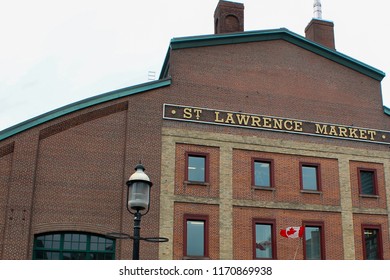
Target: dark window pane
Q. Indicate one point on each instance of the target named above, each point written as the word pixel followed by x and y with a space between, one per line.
pixel 195 238
pixel 263 241
pixel 55 255
pixel 262 174
pixel 39 243
pixel 94 246
pixel 56 244
pixel 313 243
pixel 371 243
pixel 309 178
pixel 75 237
pixel 196 168
pixel 40 255
pixel 367 182
pixel 75 246
pixel 68 237
pixel 83 246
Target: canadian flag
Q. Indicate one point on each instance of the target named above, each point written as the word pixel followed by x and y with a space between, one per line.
pixel 292 232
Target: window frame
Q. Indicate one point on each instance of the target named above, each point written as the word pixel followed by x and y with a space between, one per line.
pixel 375 181
pixel 206 167
pixel 259 221
pixel 317 166
pixel 380 240
pixel 271 173
pixel 321 226
pixel 205 220
pixel 61 249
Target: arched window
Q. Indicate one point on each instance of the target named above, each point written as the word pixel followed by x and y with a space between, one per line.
pixel 73 246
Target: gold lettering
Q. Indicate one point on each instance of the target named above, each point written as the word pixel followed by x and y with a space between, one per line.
pixel 187 113
pixel 372 134
pixel 321 129
pixel 217 119
pixel 256 121
pixel 290 123
pixel 333 131
pixel 343 131
pixel 363 134
pixel 298 126
pixel 278 123
pixel 229 118
pixel 352 132
pixel 242 119
pixel 197 113
pixel 267 122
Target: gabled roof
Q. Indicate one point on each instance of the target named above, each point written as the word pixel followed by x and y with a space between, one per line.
pixel 268 35
pixel 116 94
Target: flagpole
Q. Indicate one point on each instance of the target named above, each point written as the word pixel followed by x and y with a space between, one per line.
pixel 296 251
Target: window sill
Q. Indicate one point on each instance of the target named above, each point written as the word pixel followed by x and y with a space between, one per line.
pixel 311 191
pixel 194 183
pixel 369 196
pixel 263 188
pixel 195 258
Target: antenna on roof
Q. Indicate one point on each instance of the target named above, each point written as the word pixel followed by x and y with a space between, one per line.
pixel 317 9
pixel 151 75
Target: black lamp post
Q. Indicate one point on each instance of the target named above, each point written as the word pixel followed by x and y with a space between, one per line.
pixel 138 202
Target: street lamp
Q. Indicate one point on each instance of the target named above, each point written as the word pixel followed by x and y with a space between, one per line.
pixel 138 202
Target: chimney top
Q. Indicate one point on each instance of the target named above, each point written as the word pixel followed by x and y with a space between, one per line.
pixel 319 30
pixel 228 17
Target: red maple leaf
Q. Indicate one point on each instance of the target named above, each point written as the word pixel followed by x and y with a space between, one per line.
pixel 291 231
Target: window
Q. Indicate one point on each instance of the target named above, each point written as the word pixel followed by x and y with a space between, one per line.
pixel 310 177
pixel 372 242
pixel 264 238
pixel 367 181
pixel 262 173
pixel 73 246
pixel 197 167
pixel 195 236
pixel 314 242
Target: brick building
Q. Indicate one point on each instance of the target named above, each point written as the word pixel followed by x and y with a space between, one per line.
pixel 244 134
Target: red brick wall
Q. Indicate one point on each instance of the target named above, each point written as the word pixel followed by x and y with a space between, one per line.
pixel 70 173
pixel 275 78
pixel 210 189
pixel 243 239
pixel 378 201
pixel 182 209
pixel 286 178
pixel 364 219
pixel 5 174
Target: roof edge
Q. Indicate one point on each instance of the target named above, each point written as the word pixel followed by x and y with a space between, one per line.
pixel 82 104
pixel 277 34
pixel 386 110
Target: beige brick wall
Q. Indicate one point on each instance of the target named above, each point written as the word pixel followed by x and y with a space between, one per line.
pixel 339 208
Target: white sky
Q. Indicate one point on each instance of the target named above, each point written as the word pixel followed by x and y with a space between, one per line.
pixel 56 52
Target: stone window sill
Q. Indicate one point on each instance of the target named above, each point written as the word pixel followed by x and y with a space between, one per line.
pixel 193 183
pixel 311 191
pixel 263 188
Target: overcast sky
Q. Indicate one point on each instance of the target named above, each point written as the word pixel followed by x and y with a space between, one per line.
pixel 56 52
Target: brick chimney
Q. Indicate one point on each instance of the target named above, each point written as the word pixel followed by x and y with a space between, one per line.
pixel 321 32
pixel 228 17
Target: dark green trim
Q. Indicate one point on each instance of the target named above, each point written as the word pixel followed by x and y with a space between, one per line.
pixel 274 34
pixel 82 105
pixel 386 110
